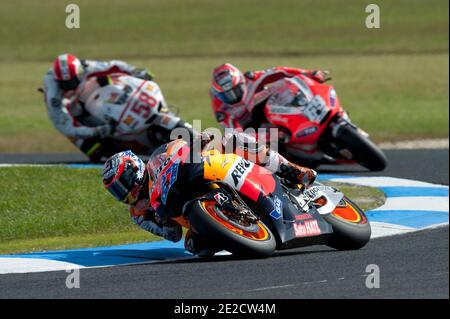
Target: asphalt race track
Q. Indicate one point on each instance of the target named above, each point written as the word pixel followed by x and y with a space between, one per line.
pixel 413 265
pixel 420 164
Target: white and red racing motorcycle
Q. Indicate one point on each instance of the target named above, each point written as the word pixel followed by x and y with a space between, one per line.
pixel 136 107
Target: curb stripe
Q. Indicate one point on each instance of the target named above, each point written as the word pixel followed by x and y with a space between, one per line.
pixel 382 181
pixel 408 218
pixel 111 255
pixel 438 204
pixel 398 191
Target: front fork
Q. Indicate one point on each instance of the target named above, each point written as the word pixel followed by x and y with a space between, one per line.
pixel 329 142
pixel 342 119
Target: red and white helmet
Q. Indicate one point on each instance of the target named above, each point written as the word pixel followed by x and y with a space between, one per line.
pixel 67 70
pixel 228 84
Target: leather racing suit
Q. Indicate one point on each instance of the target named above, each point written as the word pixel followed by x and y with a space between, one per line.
pixel 65 113
pixel 245 146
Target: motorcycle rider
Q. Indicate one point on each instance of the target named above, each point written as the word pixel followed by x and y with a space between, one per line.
pixel 235 95
pixel 129 180
pixel 63 84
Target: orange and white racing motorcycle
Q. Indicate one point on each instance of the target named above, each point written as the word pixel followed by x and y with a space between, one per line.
pixel 245 209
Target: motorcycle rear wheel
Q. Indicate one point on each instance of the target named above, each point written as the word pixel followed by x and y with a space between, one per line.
pixel 254 241
pixel 351 228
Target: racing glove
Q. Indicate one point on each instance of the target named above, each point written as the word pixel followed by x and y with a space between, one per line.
pixel 143 74
pixel 171 230
pixel 105 130
pixel 296 174
pixel 321 76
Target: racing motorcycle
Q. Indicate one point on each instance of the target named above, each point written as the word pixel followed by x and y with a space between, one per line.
pixel 314 128
pixel 136 108
pixel 245 209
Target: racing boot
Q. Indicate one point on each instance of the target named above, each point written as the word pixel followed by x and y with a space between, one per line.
pixel 296 174
pixel 197 246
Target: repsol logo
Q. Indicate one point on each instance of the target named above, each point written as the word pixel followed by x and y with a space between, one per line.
pixel 239 171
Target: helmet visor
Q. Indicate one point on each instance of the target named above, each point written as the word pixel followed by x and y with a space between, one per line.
pixel 122 187
pixel 68 85
pixel 232 96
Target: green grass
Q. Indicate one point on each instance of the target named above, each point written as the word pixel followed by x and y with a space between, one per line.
pixel 366 198
pixel 392 80
pixel 111 28
pixel 56 201
pixel 75 241
pixel 410 100
pixel 48 208
pixel 44 208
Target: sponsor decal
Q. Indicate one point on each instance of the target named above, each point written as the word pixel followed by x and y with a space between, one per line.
pixel 276 109
pixel 221 198
pixel 307 228
pixel 129 120
pixel 332 97
pixel 278 212
pixel 307 131
pixel 279 118
pixel 240 170
pixel 304 216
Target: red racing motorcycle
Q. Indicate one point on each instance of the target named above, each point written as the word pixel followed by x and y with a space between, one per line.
pixel 313 127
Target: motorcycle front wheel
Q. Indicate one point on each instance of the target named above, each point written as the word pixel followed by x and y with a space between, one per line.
pixel 253 240
pixel 364 151
pixel 351 228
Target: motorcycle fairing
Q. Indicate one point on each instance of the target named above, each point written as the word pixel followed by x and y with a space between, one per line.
pixel 305 128
pixel 267 197
pixel 292 229
pixel 167 167
pixel 243 175
pixel 134 104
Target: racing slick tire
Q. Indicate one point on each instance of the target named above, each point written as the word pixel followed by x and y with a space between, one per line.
pixel 351 228
pixel 253 241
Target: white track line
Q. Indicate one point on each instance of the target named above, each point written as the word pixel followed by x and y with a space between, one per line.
pixel 425 203
pixel 385 230
pixel 385 182
pixel 26 265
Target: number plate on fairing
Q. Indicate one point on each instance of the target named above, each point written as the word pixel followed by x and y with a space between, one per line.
pixel 333 198
pixel 316 109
